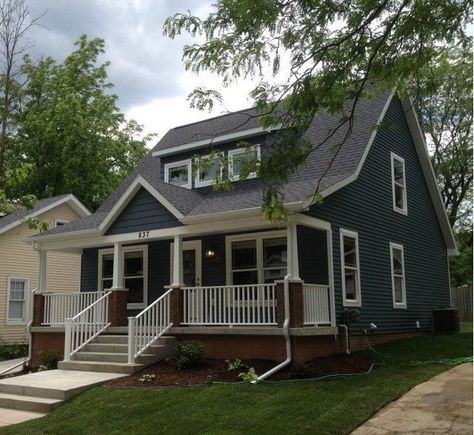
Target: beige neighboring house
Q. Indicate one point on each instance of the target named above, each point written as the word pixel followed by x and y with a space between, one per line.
pixel 19 262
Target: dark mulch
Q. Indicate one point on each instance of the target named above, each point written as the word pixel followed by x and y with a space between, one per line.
pixel 214 370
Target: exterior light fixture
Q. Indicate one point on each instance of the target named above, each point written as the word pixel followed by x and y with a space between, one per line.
pixel 210 253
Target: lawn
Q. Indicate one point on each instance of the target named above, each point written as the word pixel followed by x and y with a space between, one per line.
pixel 324 407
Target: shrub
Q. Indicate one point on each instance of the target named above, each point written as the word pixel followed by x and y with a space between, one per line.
pixel 250 376
pixel 49 360
pixel 12 351
pixel 234 364
pixel 189 353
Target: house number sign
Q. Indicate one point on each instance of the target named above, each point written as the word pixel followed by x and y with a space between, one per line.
pixel 143 234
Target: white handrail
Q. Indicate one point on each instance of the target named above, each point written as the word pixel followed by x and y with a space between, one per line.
pixel 147 326
pixel 316 300
pixel 86 325
pixel 252 304
pixel 59 306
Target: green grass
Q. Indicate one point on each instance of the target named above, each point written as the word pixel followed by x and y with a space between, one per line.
pixel 329 407
pixel 466 327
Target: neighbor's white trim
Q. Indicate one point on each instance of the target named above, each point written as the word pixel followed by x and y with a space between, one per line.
pixel 72 201
pixel 350 302
pixel 404 209
pixel 235 152
pixel 216 140
pixel 172 165
pixel 398 305
pixel 197 180
pixel 125 249
pixel 14 322
pixel 125 199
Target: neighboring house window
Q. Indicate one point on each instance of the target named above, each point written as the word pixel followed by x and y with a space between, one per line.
pixel 237 159
pixel 60 222
pixel 206 174
pixel 179 173
pixel 256 258
pixel 399 188
pixel 397 262
pixel 350 269
pixel 135 264
pixel 17 291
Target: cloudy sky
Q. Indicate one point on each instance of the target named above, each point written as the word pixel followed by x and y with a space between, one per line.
pixel 146 67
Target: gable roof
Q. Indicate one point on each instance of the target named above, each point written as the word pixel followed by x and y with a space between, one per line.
pixel 15 218
pixel 205 203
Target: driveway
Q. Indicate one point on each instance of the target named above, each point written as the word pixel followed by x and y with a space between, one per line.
pixel 441 405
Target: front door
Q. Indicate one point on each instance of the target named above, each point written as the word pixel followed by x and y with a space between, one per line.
pixel 192 270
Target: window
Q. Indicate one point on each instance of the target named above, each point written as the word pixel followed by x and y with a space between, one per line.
pixel 135 264
pixel 60 222
pixel 17 291
pixel 399 189
pixel 398 276
pixel 237 159
pixel 179 173
pixel 206 175
pixel 256 258
pixel 350 270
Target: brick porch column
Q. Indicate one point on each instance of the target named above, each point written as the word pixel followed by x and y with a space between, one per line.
pixel 38 309
pixel 176 306
pixel 296 304
pixel 117 309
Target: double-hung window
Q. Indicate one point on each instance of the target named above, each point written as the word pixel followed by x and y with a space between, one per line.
pixel 397 262
pixel 239 157
pixel 350 268
pixel 179 173
pixel 207 171
pixel 399 188
pixel 17 293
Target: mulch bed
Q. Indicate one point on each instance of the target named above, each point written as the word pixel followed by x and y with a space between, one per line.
pixel 214 370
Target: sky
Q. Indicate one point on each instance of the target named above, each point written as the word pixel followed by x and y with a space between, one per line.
pixel 146 67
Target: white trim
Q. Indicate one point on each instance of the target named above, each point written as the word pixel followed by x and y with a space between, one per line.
pixel 258 237
pixel 13 322
pixel 312 222
pixel 188 245
pixel 172 165
pixel 205 183
pixel 125 199
pixel 404 209
pixel 398 305
pixel 125 249
pixel 72 201
pixel 350 302
pixel 234 152
pixel 214 141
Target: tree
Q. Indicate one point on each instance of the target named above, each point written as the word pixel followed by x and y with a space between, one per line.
pixel 337 53
pixel 461 265
pixel 71 135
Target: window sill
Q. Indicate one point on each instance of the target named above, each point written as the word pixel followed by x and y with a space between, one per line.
pixel 352 304
pixel 399 306
pixel 400 211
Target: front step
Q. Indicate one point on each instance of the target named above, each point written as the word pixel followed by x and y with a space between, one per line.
pixel 28 403
pixel 98 366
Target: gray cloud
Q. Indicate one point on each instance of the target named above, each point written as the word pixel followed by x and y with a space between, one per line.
pixel 144 64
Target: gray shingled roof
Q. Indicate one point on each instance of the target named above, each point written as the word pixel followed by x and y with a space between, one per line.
pixel 248 194
pixel 21 212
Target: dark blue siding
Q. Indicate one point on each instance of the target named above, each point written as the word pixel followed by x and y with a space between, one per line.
pixel 312 255
pixel 365 206
pixel 89 265
pixel 142 213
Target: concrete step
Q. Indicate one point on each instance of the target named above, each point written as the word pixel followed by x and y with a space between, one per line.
pixel 146 358
pixel 28 403
pixel 105 347
pixel 21 390
pixel 111 339
pixel 100 366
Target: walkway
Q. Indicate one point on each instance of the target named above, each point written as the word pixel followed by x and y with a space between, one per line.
pixel 441 405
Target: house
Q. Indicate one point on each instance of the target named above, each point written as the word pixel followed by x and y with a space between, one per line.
pixel 19 262
pixel 183 260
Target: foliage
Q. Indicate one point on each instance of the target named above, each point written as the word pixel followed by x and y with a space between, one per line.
pixel 12 351
pixel 341 405
pixel 323 55
pixel 71 136
pixel 234 364
pixel 460 265
pixel 147 377
pixel 249 376
pixel 189 353
pixel 49 360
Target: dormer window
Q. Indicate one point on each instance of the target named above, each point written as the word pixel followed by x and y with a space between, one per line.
pixel 207 171
pixel 237 159
pixel 179 173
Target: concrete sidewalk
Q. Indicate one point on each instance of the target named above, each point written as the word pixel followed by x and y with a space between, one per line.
pixel 4 365
pixel 439 406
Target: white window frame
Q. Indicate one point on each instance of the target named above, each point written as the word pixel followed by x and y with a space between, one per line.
pixel 61 222
pixel 230 156
pixel 125 249
pixel 172 165
pixel 403 304
pixel 258 237
pixel 197 180
pixel 404 209
pixel 357 302
pixel 10 321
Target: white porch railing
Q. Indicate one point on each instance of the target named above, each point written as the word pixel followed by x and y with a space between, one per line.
pixel 86 325
pixel 148 326
pixel 60 306
pixel 230 305
pixel 316 299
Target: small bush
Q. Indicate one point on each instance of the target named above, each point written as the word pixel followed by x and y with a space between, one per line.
pixel 251 375
pixel 49 360
pixel 234 364
pixel 12 351
pixel 189 353
pixel 147 377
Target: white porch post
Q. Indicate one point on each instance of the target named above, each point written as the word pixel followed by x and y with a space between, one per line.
pixel 42 262
pixel 117 278
pixel 292 248
pixel 177 262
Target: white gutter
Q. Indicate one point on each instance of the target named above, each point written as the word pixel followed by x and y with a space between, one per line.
pixel 286 324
